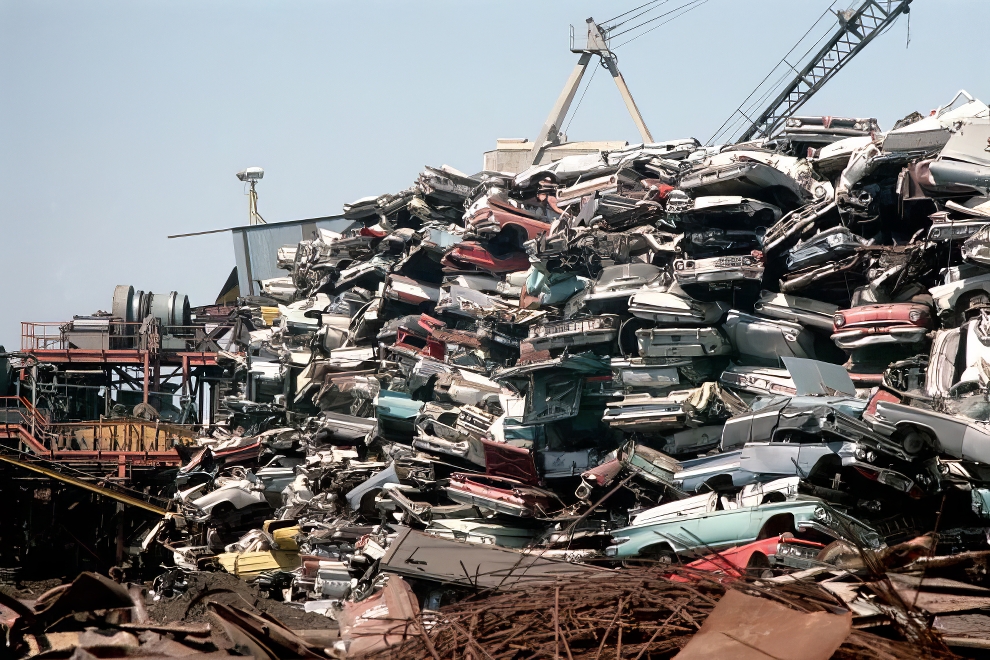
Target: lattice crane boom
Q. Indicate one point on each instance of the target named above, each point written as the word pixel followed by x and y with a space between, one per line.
pixel 856 29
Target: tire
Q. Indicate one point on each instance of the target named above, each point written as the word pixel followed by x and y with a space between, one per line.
pixel 652 556
pixel 777 525
pixel 758 566
pixel 914 441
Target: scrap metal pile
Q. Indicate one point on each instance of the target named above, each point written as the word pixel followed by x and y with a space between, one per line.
pixel 776 351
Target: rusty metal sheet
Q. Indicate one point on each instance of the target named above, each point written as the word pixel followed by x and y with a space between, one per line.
pixel 748 628
pixel 424 556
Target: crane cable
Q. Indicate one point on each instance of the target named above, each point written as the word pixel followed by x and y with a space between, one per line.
pixel 580 100
pixel 655 18
pixel 694 4
pixel 632 18
pixel 783 60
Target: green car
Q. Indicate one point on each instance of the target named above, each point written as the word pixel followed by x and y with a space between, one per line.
pixel 699 525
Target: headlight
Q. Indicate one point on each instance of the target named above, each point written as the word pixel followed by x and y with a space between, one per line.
pixel 861 453
pixel 859 126
pixel 689 264
pixel 678 265
pixel 839 320
pixel 936 232
pixel 747 261
pixel 895 481
pixel 596 324
pixel 870 456
pixel 793 123
pixel 915 315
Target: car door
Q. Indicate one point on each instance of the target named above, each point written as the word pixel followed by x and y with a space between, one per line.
pixel 770 458
pixel 719 529
pixel 810 453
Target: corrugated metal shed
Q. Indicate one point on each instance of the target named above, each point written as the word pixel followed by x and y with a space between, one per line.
pixel 256 246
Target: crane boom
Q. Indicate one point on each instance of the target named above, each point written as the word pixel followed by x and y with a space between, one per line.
pixel 856 29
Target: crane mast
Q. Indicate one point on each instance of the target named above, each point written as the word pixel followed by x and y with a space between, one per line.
pixel 596 44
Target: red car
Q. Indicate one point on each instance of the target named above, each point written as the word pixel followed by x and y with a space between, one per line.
pixel 471 256
pixel 872 325
pixel 500 215
pixel 758 557
pixel 418 337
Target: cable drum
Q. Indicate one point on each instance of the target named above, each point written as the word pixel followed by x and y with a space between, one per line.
pixel 140 306
pixel 130 306
pixel 121 308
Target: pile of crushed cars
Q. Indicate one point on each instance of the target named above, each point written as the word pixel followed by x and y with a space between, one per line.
pixel 652 354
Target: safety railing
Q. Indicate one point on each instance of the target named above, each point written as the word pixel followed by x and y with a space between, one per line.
pixel 41 336
pixel 111 334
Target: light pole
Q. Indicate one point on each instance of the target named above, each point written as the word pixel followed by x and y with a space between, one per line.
pixel 253 175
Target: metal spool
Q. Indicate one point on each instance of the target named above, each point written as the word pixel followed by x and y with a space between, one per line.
pixel 139 307
pixel 183 313
pixel 123 300
pixel 171 309
pixel 159 307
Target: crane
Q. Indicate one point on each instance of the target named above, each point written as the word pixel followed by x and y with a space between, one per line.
pixel 856 28
pixel 595 45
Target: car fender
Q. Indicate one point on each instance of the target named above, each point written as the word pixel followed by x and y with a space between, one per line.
pixel 237 496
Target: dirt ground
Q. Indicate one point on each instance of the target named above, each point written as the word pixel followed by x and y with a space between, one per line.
pixel 29 589
pixel 227 589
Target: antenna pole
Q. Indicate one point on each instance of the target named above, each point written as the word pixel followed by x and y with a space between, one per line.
pixel 253 217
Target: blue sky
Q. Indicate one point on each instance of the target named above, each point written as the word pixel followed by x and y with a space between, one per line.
pixel 122 122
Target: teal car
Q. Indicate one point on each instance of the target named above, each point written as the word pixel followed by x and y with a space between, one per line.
pixel 713 523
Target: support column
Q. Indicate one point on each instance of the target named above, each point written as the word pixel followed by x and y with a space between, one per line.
pixel 185 375
pixel 34 399
pixel 199 408
pixel 147 368
pixel 120 534
pixel 627 98
pixel 552 126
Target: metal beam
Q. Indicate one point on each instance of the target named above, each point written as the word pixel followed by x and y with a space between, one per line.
pixel 627 98
pixel 79 483
pixel 551 128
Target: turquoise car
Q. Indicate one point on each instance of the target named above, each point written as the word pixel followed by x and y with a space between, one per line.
pixel 713 523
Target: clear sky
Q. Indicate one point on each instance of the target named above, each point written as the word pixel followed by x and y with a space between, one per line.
pixel 122 122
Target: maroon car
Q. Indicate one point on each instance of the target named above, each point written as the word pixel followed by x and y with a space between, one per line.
pixel 471 256
pixel 502 495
